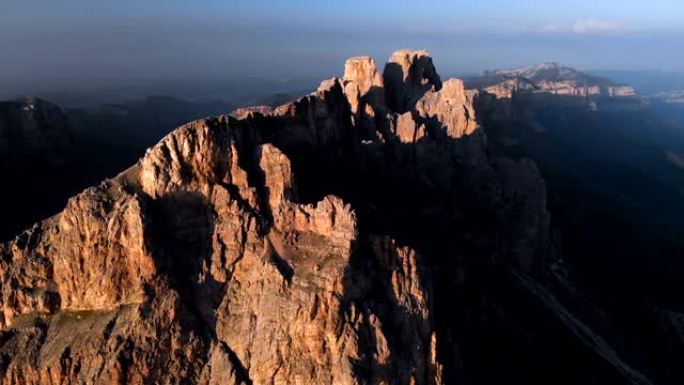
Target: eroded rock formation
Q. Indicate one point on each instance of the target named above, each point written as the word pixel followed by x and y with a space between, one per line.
pixel 348 237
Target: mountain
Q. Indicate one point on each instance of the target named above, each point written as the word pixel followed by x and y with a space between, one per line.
pixel 671 96
pixel 369 232
pixel 646 82
pixel 139 123
pixel 36 143
pixel 615 193
pixel 32 126
pixel 68 149
pixel 549 78
pixel 602 158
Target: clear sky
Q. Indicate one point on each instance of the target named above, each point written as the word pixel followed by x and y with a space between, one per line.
pixel 100 41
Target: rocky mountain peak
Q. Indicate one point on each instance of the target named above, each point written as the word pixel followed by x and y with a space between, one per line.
pixel 356 235
pixel 362 71
pixel 408 75
pixel 361 77
pixel 408 102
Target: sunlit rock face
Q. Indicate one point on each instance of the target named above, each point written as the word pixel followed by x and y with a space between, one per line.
pixel 329 241
pixel 361 76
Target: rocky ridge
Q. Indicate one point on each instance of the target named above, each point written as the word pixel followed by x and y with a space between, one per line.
pixel 347 238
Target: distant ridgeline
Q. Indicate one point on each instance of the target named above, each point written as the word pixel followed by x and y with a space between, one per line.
pixel 49 153
pixel 548 78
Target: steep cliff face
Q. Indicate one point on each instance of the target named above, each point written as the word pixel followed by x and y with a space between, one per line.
pixel 359 235
pixel 254 286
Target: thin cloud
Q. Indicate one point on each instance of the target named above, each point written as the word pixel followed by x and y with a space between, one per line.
pixel 555 27
pixel 584 26
pixel 596 26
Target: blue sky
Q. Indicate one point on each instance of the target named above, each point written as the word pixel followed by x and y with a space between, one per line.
pixel 468 15
pixel 46 41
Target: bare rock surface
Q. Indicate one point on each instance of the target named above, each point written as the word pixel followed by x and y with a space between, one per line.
pixel 347 237
pixel 361 77
pixel 408 75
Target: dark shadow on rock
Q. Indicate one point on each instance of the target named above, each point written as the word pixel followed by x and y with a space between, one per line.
pixel 393 77
pixel 398 199
pixel 447 211
pixel 617 236
pixel 181 228
pixel 368 285
pixel 404 90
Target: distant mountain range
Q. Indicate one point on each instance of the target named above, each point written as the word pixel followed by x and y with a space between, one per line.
pixel 646 82
pixel 550 78
pixel 32 127
pixel 68 149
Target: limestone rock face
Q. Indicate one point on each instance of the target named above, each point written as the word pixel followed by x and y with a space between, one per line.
pixel 363 72
pixel 357 235
pixel 318 120
pixel 361 76
pixel 408 76
pixel 246 285
pixel 407 129
pixel 90 257
pixel 452 106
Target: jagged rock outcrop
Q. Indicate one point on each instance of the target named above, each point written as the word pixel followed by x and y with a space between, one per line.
pixel 244 112
pixel 349 237
pixel 361 77
pixel 184 223
pixel 266 277
pixel 90 257
pixel 451 107
pixel 408 76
